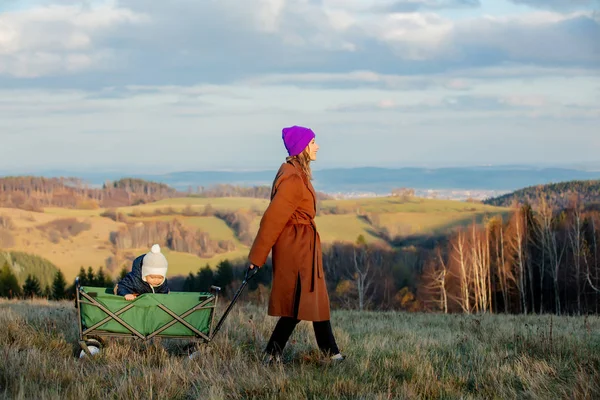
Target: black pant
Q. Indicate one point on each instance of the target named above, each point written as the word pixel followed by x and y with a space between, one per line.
pixel 284 328
pixel 286 325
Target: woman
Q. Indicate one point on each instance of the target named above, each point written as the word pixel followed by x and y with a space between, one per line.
pixel 288 228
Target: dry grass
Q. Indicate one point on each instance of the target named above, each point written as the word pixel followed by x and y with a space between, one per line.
pixel 428 222
pixel 198 204
pixel 71 212
pixel 390 355
pixel 88 248
pixel 217 228
pixel 345 228
pixel 397 204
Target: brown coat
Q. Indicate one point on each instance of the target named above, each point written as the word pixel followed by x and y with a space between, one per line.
pixel 288 228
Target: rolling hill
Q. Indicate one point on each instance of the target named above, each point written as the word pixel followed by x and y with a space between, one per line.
pixel 23 264
pixel 71 238
pixel 558 195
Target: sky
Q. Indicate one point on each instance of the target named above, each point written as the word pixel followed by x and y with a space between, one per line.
pixel 162 86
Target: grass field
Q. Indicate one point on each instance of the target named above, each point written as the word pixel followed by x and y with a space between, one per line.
pixel 93 248
pixel 344 228
pixel 217 228
pixel 389 355
pixel 416 223
pixel 69 212
pixel 397 204
pixel 222 203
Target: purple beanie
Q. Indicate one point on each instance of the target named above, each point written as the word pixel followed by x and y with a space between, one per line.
pixel 296 138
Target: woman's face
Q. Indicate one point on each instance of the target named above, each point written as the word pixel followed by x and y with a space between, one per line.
pixel 313 147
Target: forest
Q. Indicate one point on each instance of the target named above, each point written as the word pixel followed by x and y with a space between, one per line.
pixel 33 193
pixel 557 195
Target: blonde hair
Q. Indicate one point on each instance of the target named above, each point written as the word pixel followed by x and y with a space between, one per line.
pixel 303 159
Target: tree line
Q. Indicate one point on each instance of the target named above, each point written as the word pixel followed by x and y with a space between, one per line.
pixel 228 190
pixel 557 195
pixel 539 261
pixel 33 193
pixel 58 289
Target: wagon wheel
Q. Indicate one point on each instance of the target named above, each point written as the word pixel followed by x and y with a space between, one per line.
pixel 90 347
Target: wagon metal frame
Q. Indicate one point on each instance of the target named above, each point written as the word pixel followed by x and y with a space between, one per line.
pixel 87 335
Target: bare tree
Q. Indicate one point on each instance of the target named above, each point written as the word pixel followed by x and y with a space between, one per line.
pixel 362 273
pixel 555 255
pixel 460 257
pixel 518 248
pixel 480 268
pixel 503 270
pixel 439 282
pixel 577 245
pixel 588 273
pixel 543 233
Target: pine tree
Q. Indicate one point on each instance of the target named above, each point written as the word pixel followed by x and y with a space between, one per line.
pixel 204 279
pixel 9 285
pixel 59 286
pixel 224 275
pixel 47 292
pixel 100 280
pixel 32 288
pixel 188 284
pixel 91 277
pixel 83 277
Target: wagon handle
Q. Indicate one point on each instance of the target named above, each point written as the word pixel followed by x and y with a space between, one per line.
pixel 250 273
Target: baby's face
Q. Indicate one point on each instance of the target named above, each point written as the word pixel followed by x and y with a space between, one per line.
pixel 154 280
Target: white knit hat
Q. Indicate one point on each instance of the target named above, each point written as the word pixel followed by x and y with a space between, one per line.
pixel 154 263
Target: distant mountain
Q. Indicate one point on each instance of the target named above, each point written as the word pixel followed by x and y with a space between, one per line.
pixel 558 195
pixel 368 179
pixel 383 180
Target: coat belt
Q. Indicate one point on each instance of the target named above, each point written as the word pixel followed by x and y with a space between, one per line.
pixel 311 222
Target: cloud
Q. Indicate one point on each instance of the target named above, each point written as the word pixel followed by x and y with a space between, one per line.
pixel 456 80
pixel 450 103
pixel 349 80
pixel 411 6
pixel 543 39
pixel 559 5
pixel 59 39
pixel 185 43
pixel 488 105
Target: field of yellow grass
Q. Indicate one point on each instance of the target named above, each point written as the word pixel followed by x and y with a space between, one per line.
pixel 92 247
pixel 217 228
pixel 417 205
pixel 88 248
pixel 390 355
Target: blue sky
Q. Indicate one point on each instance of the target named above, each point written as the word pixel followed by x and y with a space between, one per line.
pixel 161 86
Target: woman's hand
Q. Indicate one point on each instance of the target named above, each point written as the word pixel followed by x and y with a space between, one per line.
pixel 130 297
pixel 252 266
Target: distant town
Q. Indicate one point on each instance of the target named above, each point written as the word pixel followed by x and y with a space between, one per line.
pixel 443 194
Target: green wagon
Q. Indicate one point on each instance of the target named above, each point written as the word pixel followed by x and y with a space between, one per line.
pixel 177 315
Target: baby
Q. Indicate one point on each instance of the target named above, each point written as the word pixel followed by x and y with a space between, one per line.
pixel 148 275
